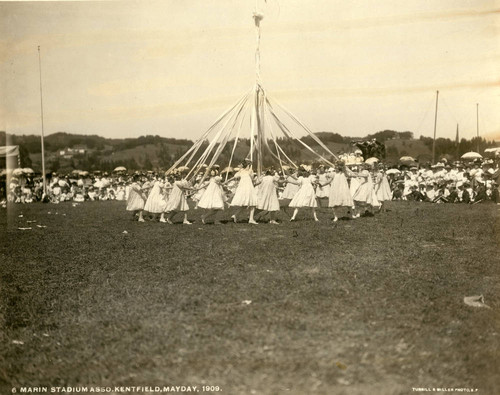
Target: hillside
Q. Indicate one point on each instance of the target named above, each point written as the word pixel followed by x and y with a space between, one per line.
pixel 66 152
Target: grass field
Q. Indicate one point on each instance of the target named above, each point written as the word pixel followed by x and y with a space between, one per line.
pixel 371 306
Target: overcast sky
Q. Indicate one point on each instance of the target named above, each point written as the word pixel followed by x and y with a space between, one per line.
pixel 125 69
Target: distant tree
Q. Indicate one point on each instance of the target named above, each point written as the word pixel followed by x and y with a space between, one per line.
pixel 146 164
pixel 24 156
pixel 406 135
pixel 55 164
pixel 371 148
pixel 164 157
pixel 392 151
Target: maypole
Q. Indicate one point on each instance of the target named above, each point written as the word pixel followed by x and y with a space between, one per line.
pixel 256 106
pixel 257 131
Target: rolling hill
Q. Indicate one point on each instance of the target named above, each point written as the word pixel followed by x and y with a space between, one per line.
pixel 66 151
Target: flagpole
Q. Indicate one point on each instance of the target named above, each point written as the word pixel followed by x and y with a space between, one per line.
pixel 41 113
pixel 435 124
pixel 477 125
pixel 458 143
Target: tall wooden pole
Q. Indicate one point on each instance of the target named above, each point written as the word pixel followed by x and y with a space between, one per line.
pixel 435 125
pixel 41 112
pixel 258 121
pixel 477 125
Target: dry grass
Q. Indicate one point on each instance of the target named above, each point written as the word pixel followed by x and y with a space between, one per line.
pixel 367 306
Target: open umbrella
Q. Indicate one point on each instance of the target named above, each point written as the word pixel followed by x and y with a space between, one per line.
pixel 492 151
pixel 17 172
pixel 371 160
pixel 27 170
pixel 120 168
pixel 408 161
pixel 471 155
pixel 392 171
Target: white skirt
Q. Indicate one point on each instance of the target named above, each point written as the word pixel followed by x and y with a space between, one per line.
pixel 340 195
pixel 268 198
pixel 135 201
pixel 176 201
pixel 383 190
pixel 289 191
pixel 245 195
pixel 213 197
pixel 305 197
pixel 155 203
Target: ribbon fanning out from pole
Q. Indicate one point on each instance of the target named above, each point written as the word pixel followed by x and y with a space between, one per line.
pixel 194 148
pixel 309 132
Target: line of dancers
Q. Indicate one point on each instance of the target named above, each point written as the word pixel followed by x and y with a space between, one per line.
pixel 339 188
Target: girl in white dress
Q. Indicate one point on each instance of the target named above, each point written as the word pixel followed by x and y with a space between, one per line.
pixel 374 201
pixel 167 188
pixel 323 187
pixel 290 190
pixel 200 190
pixel 245 194
pixel 136 200
pixel 268 195
pixel 78 197
pixel 305 196
pixel 382 188
pixel 365 196
pixel 177 201
pixel 339 194
pixel 120 193
pixel 355 181
pixel 230 185
pixel 155 203
pixel 213 198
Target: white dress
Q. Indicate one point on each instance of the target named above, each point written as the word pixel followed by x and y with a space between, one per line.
pixel 290 190
pixel 135 200
pixel 213 197
pixel 374 200
pixel 355 183
pixel 245 194
pixel 340 195
pixel 167 187
pixel 267 196
pixel 382 188
pixel 305 196
pixel 199 193
pixel 177 199
pixel 363 192
pixel 155 203
pixel 120 194
pixel 323 192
